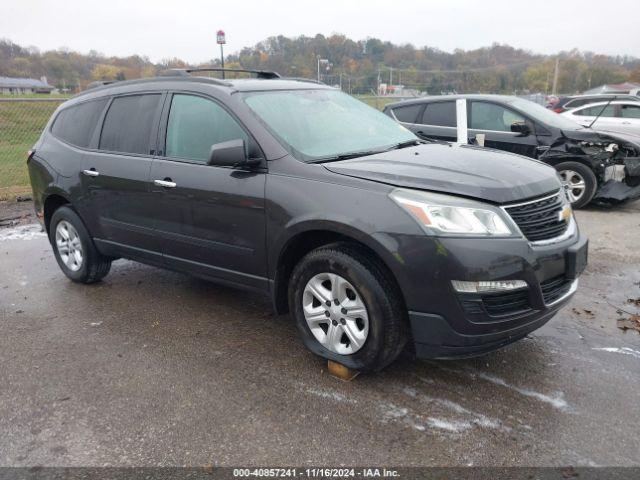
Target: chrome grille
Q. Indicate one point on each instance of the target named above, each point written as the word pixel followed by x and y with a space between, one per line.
pixel 539 219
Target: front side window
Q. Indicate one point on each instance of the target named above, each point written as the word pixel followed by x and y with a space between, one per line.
pixel 609 111
pixel 490 116
pixel 318 125
pixel 630 111
pixel 441 114
pixel 195 124
pixel 128 124
pixel 76 124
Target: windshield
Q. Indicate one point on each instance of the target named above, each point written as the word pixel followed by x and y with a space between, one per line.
pixel 544 115
pixel 317 125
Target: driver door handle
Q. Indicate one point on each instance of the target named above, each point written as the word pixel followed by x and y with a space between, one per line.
pixel 91 172
pixel 166 183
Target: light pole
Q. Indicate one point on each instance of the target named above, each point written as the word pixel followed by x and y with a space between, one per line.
pixel 221 40
pixel 323 61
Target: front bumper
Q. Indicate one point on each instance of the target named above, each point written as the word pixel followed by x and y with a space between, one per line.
pixel 449 324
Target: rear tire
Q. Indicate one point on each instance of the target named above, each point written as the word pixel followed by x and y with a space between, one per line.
pixel 580 182
pixel 74 249
pixel 384 322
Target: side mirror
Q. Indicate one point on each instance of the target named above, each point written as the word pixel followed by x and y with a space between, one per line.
pixel 521 128
pixel 231 154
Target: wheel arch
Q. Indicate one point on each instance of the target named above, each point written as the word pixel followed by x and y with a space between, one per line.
pixel 53 199
pixel 309 235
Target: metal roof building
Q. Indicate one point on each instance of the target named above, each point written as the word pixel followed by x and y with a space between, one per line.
pixel 18 86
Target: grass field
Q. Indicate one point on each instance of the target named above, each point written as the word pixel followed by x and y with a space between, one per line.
pixel 20 126
pixel 377 102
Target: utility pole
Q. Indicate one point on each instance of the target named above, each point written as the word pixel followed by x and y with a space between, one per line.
pixel 390 76
pixel 555 77
pixel 221 40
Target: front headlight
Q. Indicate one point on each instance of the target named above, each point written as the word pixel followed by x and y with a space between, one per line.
pixel 453 216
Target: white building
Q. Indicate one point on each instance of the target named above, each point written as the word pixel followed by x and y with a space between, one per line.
pixel 21 86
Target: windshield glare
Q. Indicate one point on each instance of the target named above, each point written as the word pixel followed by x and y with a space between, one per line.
pixel 544 115
pixel 322 124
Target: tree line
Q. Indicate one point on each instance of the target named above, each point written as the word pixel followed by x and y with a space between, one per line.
pixel 358 66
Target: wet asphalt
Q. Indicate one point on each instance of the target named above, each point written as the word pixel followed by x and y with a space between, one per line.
pixel 156 368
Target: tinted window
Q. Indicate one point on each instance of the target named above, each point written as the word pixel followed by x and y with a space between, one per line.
pixel 407 114
pixel 442 114
pixel 490 116
pixel 76 124
pixel 609 111
pixel 630 111
pixel 195 124
pixel 127 126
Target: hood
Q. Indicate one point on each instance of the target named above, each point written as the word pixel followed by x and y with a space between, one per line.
pixel 601 135
pixel 464 170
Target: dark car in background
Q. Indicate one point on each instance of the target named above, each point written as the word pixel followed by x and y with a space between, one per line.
pixel 574 101
pixel 593 165
pixel 367 235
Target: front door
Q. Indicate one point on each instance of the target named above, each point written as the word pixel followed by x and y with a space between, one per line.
pixel 115 177
pixel 494 122
pixel 211 219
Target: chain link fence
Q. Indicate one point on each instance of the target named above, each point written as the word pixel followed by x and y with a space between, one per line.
pixel 21 123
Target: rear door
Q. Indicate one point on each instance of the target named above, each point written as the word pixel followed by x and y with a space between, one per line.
pixel 437 121
pixel 630 117
pixel 494 121
pixel 210 218
pixel 115 176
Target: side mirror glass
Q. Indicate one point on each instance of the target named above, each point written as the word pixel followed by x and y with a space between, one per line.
pixel 520 127
pixel 229 154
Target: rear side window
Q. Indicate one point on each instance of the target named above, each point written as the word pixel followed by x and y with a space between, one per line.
pixel 442 114
pixel 408 114
pixel 127 126
pixel 75 125
pixel 195 124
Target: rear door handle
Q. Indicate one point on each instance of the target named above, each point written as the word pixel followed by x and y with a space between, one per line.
pixel 91 172
pixel 167 183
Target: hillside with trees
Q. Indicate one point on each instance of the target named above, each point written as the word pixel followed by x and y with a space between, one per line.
pixel 357 65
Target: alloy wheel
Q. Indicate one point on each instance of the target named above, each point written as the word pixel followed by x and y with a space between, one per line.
pixel 69 245
pixel 574 184
pixel 335 313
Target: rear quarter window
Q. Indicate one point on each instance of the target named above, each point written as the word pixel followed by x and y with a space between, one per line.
pixel 76 124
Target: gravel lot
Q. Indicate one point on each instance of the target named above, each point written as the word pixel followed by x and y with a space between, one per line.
pixel 156 368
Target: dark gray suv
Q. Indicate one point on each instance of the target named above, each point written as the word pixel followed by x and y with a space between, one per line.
pixel 367 235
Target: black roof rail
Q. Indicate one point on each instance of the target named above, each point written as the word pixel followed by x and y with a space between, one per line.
pixel 100 83
pixel 264 74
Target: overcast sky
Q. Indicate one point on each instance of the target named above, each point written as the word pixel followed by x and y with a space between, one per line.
pixel 186 28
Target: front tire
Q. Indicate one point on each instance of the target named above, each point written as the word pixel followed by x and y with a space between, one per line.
pixel 579 181
pixel 347 308
pixel 74 249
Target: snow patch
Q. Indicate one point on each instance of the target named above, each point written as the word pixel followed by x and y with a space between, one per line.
pixel 23 232
pixel 449 426
pixel 622 350
pixel 338 397
pixel 556 401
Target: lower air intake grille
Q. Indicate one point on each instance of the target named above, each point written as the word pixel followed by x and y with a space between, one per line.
pixel 554 288
pixel 539 219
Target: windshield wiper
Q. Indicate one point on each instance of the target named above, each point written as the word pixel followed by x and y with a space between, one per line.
pixel 346 156
pixel 406 143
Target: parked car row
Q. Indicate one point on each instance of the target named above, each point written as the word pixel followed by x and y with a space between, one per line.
pixel 593 165
pixel 368 235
